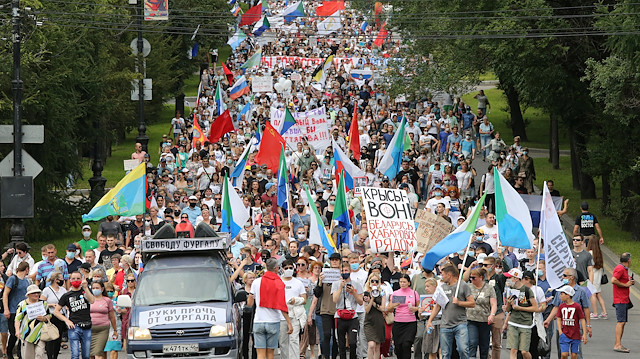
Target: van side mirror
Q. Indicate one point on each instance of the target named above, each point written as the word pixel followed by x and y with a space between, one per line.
pixel 241 296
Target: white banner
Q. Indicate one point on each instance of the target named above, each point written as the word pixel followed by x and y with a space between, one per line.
pixel 282 61
pixel 310 124
pixel 389 220
pixel 262 84
pixel 173 315
pixel 556 248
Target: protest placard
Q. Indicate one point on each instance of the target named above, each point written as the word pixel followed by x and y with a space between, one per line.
pixel 331 275
pixel 262 84
pixel 389 220
pixel 431 230
pixel 310 124
pixel 129 165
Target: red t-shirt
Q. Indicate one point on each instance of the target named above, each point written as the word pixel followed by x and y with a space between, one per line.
pixel 570 314
pixel 621 294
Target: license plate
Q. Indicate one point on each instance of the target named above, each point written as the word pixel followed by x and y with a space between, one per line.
pixel 180 348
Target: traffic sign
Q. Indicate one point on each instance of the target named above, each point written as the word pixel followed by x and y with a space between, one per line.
pixel 30 133
pixel 148 87
pixel 30 167
pixel 146 47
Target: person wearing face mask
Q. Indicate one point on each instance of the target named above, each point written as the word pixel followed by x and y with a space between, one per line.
pixel 527 168
pixel 433 202
pixel 460 256
pixel 296 297
pixel 521 303
pixel 359 275
pixel 304 163
pixel 103 318
pixel 300 219
pixel 478 241
pixel 87 242
pixel 347 295
pixel 22 255
pixel 70 258
pixel 52 295
pixel 78 302
pixel 570 277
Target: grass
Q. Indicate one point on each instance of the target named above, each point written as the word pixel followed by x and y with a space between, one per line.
pixel 615 238
pixel 537 130
pixel 191 84
pixel 488 76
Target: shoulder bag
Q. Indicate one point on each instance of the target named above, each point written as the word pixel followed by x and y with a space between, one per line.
pixel 49 332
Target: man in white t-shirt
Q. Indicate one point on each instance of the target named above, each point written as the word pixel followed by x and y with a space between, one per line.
pixel 433 202
pixel 296 296
pixel 359 275
pixel 490 231
pixel 205 174
pixel 266 322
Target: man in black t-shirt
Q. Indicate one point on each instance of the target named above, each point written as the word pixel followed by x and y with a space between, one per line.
pixel 105 255
pixel 78 300
pixel 587 224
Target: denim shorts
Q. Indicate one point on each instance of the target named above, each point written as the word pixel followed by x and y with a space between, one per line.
pixel 4 324
pixel 622 310
pixel 568 345
pixel 265 335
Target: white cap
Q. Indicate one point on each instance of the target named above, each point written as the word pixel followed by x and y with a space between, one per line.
pixel 568 290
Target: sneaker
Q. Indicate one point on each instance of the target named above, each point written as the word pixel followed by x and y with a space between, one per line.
pixel 603 316
pixel 594 316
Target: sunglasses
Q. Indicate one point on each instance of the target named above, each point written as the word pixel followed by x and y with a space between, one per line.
pixel 577 240
pixel 130 280
pixel 375 281
pixel 285 268
pixel 487 265
pixel 565 275
pixel 472 278
pixel 301 264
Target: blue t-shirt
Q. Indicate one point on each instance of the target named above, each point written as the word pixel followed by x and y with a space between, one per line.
pixel 467 146
pixel 298 221
pixel 467 120
pixel 18 291
pixel 444 135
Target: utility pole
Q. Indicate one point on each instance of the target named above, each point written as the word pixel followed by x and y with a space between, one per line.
pixel 17 230
pixel 142 128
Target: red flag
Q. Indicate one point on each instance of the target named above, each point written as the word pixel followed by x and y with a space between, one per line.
pixel 221 125
pixel 378 10
pixel 271 145
pixel 382 35
pixel 227 73
pixel 329 8
pixel 354 134
pixel 252 15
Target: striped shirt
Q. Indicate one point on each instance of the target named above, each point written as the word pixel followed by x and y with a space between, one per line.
pixel 45 268
pixel 29 327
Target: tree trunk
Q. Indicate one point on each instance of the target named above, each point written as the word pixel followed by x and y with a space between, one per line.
pixel 587 185
pixel 180 105
pixel 517 122
pixel 606 193
pixel 575 159
pixel 554 146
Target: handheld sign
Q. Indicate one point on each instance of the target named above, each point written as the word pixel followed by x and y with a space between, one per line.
pixel 389 220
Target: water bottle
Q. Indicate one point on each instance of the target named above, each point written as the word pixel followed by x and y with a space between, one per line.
pixel 429 330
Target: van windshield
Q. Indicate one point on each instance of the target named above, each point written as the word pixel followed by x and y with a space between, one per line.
pixel 181 286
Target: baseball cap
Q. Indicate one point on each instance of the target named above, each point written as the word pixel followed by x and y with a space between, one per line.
pixel 567 290
pixel 268 185
pixel 584 205
pixel 479 230
pixel 71 247
pixel 193 198
pixel 86 226
pixel 86 266
pixel 481 258
pixel 403 185
pixel 528 274
pixel 335 255
pixel 385 178
pixel 514 272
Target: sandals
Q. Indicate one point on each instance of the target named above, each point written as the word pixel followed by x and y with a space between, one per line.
pixel 621 350
pixel 64 346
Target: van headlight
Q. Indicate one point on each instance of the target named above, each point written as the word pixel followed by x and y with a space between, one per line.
pixel 223 330
pixel 137 333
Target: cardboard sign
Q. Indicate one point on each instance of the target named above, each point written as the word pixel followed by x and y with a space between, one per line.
pixel 431 230
pixel 389 220
pixel 35 310
pixel 262 84
pixel 129 165
pixel 310 124
pixel 182 315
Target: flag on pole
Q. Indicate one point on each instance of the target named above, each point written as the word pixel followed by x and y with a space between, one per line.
pixel 271 144
pixel 288 121
pixel 253 60
pixel 220 127
pixel 317 233
pixel 218 99
pixel 127 198
pixel 363 26
pixel 345 166
pixel 293 11
pixel 241 87
pixel 377 11
pixel 354 134
pixel 390 163
pixel 556 248
pixel 235 10
pixel 227 73
pixel 198 134
pixel 457 240
pixel 331 24
pixel 261 26
pixel 282 194
pixel 265 5
pixel 382 35
pixel 329 8
pixel 236 39
pixel 251 16
pixel 341 215
pixel 321 72
pixel 237 175
pixel 512 215
pixel 234 214
pixel 245 110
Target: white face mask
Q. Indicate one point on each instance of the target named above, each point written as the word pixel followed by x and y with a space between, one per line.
pixel 86 234
pixel 287 273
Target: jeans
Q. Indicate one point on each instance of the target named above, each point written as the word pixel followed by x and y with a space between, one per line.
pixel 484 140
pixel 78 338
pixel 461 335
pixel 478 337
pixel 424 187
pixel 329 346
pixel 350 327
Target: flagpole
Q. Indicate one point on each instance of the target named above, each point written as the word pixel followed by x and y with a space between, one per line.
pixel 466 254
pixel 537 258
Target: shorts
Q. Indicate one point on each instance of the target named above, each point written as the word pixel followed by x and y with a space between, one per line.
pixel 4 324
pixel 518 338
pixel 265 335
pixel 569 345
pixel 621 312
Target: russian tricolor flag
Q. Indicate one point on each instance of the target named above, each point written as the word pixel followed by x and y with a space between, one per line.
pixel 343 163
pixel 240 88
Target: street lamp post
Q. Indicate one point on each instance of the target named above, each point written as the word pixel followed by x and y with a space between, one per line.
pixel 17 230
pixel 142 127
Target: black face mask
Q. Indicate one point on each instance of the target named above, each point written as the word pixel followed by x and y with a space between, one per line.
pixel 60 282
pixel 300 210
